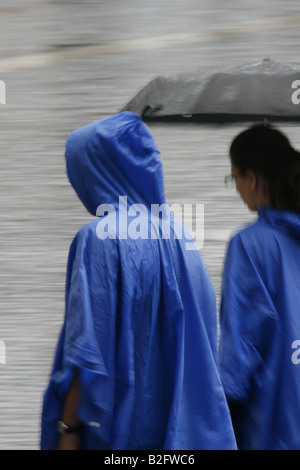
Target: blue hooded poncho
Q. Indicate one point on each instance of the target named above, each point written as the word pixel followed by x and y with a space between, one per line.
pixel 260 331
pixel 140 319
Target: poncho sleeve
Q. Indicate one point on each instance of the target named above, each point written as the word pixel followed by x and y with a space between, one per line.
pixel 247 317
pixel 87 339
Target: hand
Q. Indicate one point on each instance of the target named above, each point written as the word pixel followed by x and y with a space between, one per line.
pixel 69 441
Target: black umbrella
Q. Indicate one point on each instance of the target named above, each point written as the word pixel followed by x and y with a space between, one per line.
pixel 258 91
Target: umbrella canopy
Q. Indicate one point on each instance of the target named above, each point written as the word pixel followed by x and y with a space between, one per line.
pixel 257 91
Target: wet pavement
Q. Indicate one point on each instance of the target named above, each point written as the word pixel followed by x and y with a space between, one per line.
pixel 67 63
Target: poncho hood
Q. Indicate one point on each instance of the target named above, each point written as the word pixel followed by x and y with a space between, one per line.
pixel 283 220
pixel 106 160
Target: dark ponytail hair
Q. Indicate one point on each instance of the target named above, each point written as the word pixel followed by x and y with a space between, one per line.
pixel 268 152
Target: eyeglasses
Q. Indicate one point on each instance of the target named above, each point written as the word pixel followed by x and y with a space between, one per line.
pixel 230 181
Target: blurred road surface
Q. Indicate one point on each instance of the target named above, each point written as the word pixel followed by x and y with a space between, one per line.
pixel 66 63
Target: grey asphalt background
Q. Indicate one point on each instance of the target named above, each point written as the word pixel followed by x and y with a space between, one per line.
pixel 66 63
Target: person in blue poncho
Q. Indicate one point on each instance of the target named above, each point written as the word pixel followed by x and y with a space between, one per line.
pixel 136 365
pixel 260 307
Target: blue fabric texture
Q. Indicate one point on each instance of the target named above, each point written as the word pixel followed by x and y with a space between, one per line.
pixel 140 312
pixel 260 331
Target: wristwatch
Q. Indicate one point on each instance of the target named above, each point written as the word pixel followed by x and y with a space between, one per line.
pixel 65 429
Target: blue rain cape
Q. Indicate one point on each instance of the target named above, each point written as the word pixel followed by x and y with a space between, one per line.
pixel 260 331
pixel 140 319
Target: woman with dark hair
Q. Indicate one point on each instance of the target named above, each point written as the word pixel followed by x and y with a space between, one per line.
pixel 260 307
